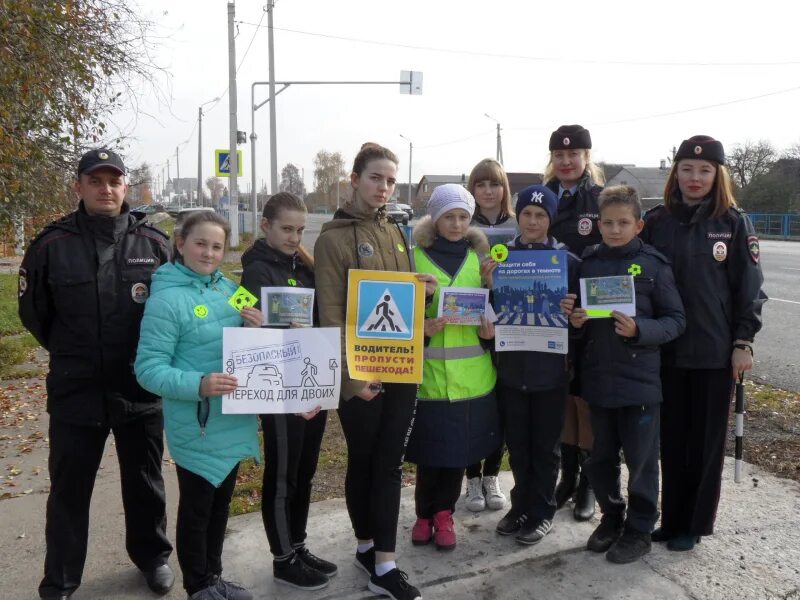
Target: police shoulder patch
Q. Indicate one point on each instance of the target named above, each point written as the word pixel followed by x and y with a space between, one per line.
pixel 753 248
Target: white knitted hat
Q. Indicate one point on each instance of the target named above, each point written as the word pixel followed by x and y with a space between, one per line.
pixel 447 197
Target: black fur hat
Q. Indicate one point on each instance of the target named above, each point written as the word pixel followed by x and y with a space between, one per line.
pixel 569 137
pixel 703 147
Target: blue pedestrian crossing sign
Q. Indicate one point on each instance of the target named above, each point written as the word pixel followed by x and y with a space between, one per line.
pixel 222 162
pixel 385 310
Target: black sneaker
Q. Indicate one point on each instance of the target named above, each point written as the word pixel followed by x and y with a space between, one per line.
pixel 394 584
pixel 511 523
pixel 606 533
pixel 315 562
pixel 366 561
pixel 296 573
pixel 534 533
pixel 231 591
pixel 629 548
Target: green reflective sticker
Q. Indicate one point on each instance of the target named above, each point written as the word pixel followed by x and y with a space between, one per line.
pixel 597 312
pixel 242 298
pixel 201 311
pixel 499 252
pixel 634 269
pixel 400 247
pixel 292 282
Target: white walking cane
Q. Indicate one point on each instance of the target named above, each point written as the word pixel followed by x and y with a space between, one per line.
pixel 739 409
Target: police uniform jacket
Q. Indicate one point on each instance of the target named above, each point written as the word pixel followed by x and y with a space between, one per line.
pixel 716 265
pixel 576 219
pixel 83 284
pixel 538 371
pixel 619 371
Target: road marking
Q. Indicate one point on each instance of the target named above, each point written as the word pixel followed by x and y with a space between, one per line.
pixel 782 300
pixel 790 269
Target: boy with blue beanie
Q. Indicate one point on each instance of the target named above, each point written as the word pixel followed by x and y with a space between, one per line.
pixel 533 388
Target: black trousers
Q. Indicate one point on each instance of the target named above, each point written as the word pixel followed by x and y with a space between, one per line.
pixel 694 424
pixel 634 430
pixel 291 452
pixel 491 464
pixel 437 489
pixel 75 455
pixel 202 519
pixel 377 433
pixel 534 421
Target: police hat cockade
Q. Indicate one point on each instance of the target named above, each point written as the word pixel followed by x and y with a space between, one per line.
pixel 98 159
pixel 703 147
pixel 569 137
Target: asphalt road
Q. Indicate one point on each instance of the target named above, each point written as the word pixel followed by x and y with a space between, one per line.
pixel 777 347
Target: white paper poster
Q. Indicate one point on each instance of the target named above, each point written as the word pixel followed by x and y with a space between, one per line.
pixel 282 370
pixel 282 306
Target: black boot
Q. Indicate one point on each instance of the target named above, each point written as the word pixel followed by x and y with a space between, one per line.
pixel 584 497
pixel 569 474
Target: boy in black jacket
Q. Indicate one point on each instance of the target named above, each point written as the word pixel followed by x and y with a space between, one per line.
pixel 533 389
pixel 620 375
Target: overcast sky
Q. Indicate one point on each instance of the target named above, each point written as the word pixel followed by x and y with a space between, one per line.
pixel 640 75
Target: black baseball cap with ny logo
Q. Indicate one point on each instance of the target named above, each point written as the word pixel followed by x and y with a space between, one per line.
pixel 98 159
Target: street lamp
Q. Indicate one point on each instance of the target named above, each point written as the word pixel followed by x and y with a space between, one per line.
pixel 499 142
pixel 200 151
pixel 410 155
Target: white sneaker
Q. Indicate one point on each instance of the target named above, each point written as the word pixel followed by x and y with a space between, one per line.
pixel 495 498
pixel 475 500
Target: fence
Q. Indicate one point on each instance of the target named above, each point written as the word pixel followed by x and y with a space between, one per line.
pixel 776 225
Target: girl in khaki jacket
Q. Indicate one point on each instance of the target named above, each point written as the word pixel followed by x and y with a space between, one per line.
pixel 376 417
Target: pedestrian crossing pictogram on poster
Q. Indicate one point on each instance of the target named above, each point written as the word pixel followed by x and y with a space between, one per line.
pixel 385 310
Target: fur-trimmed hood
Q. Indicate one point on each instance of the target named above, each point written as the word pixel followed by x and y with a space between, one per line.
pixel 425 232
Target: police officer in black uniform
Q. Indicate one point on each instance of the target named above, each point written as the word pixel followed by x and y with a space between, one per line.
pixel 82 288
pixel 575 180
pixel 715 258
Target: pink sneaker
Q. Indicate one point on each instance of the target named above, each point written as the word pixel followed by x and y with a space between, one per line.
pixel 444 530
pixel 422 532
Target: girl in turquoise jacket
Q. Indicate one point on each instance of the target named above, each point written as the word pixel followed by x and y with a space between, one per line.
pixel 180 359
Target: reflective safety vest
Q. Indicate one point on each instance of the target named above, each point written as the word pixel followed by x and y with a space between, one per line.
pixel 456 366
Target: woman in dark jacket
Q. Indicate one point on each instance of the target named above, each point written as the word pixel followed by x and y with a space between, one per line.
pixel 577 182
pixel 291 442
pixel 715 258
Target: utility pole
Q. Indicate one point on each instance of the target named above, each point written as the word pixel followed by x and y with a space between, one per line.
pixel 273 141
pixel 233 192
pixel 410 155
pixel 200 199
pixel 499 140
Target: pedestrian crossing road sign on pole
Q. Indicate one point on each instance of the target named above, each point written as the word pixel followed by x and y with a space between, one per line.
pixel 384 330
pixel 222 162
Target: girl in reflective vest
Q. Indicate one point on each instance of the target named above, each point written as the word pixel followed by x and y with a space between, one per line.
pixel 456 423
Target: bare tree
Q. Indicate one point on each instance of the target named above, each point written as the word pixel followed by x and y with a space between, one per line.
pixel 291 181
pixel 328 171
pixel 750 160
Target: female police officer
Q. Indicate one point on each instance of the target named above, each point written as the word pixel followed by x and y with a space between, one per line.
pixel 715 258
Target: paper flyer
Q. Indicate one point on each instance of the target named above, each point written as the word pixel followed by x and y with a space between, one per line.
pixel 527 290
pixel 601 295
pixel 462 306
pixel 283 305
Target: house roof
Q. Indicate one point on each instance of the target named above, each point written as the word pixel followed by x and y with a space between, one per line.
pixel 444 178
pixel 519 181
pixel 649 181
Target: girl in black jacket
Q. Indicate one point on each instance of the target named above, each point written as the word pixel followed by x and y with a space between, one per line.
pixel 291 442
pixel 715 257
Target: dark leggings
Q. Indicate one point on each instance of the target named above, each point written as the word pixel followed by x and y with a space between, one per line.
pixel 437 489
pixel 377 433
pixel 291 452
pixel 202 519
